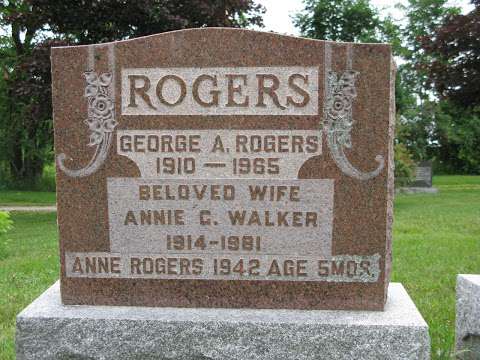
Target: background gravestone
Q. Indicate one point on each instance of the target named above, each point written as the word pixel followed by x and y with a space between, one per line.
pixel 423 174
pixel 254 173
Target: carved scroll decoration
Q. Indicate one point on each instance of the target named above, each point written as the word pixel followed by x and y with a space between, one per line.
pixel 100 120
pixel 100 94
pixel 339 97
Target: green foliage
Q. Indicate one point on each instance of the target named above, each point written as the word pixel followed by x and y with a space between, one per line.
pixel 415 105
pixel 457 134
pixel 47 181
pixel 444 132
pixel 415 122
pixel 99 21
pixel 27 121
pixel 423 17
pixel 415 127
pixel 5 225
pixel 339 20
pixel 404 165
pixel 391 33
pixel 5 222
pixel 455 58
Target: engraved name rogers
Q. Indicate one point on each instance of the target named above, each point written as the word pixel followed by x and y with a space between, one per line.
pixel 220 91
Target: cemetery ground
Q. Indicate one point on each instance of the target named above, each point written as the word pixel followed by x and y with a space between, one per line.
pixel 26 198
pixel 435 238
pixel 43 195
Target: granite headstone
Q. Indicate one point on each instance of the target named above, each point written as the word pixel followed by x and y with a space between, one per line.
pixel 224 168
pixel 423 174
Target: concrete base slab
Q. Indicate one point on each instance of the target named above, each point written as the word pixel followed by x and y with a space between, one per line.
pixel 467 322
pixel 46 329
pixel 417 190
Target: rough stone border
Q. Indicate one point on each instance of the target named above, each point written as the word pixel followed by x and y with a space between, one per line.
pixel 48 330
pixel 417 190
pixel 467 322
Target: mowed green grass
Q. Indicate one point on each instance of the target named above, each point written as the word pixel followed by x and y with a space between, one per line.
pixel 26 198
pixel 29 264
pixel 435 238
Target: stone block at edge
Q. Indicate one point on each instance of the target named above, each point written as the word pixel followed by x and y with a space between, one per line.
pixel 467 322
pixel 48 330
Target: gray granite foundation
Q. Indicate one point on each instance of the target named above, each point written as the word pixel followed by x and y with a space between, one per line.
pixel 417 190
pixel 468 317
pixel 46 329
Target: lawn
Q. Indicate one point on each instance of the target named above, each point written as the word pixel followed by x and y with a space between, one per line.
pixel 26 198
pixel 28 266
pixel 435 238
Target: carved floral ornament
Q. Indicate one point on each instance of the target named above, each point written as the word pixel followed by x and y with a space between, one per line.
pixel 338 122
pixel 100 120
pixel 101 117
